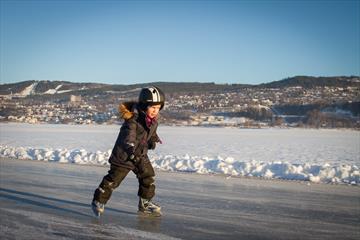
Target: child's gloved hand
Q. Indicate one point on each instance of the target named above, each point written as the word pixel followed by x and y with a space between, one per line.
pixel 151 145
pixel 131 155
pixel 132 158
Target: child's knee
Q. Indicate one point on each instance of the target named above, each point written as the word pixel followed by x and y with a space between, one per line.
pixel 147 181
pixel 107 185
pixel 115 176
pixel 145 170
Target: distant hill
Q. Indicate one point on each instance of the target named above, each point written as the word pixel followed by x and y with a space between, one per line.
pixel 311 82
pixel 46 87
pixel 34 87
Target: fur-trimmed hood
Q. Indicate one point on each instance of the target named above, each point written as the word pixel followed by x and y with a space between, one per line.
pixel 127 110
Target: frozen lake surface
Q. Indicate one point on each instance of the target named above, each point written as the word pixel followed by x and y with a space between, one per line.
pixel 49 200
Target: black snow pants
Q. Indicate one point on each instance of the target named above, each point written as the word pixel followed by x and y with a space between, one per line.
pixel 144 173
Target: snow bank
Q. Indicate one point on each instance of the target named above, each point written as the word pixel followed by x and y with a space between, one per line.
pixel 323 173
pixel 78 156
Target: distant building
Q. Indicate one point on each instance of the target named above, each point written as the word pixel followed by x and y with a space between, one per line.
pixel 75 100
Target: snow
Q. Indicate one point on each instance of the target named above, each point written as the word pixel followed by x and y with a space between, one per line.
pixel 319 156
pixel 64 91
pixel 29 90
pixel 53 91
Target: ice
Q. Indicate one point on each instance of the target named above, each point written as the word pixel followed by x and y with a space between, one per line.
pixel 319 156
pixel 48 200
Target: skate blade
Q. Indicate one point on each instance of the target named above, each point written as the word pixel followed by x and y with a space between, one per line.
pixel 150 214
pixel 96 213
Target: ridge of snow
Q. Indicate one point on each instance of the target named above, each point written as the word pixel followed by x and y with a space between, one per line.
pixel 29 89
pixel 325 173
pixel 53 91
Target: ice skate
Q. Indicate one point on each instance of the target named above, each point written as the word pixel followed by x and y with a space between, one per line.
pixel 98 208
pixel 149 208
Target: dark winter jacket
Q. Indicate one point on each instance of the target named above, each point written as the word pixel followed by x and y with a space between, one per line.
pixel 135 136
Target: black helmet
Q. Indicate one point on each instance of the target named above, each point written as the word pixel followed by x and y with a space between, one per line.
pixel 151 96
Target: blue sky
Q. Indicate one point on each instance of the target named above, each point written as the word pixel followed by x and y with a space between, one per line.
pixel 127 42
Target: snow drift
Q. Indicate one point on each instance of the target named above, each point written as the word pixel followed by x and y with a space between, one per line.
pixel 324 173
pixel 327 156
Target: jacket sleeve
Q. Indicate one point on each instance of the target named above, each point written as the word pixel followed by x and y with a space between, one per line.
pixel 128 138
pixel 155 138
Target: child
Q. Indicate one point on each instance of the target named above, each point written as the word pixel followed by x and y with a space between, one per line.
pixel 137 135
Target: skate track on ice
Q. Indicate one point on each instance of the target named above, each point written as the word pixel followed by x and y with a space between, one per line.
pixel 48 200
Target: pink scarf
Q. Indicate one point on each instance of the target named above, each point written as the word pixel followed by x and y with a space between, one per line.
pixel 149 121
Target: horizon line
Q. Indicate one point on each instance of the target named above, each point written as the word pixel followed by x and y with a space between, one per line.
pixel 204 82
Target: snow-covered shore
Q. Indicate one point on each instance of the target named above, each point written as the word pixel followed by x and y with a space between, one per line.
pixel 308 155
pixel 283 170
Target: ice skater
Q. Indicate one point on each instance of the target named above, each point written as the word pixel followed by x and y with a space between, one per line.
pixel 137 135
